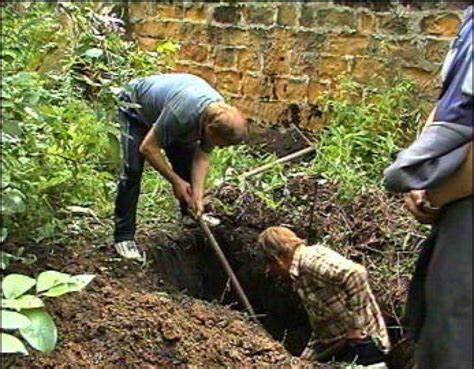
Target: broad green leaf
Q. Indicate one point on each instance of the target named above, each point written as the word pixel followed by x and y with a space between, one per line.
pixel 62 289
pixel 41 333
pixel 15 285
pixel 94 53
pixel 4 236
pixel 50 279
pixel 13 202
pixel 83 280
pixel 75 284
pixel 23 302
pixel 12 345
pixel 13 320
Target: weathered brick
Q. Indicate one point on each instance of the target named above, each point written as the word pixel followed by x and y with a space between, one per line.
pixel 174 11
pixel 261 14
pixel 393 24
pixel 195 52
pixel 420 76
pixel 258 87
pixel 228 81
pixel 228 36
pixel 160 30
pixel 249 60
pixel 231 14
pixel 248 106
pixel 276 61
pixel 288 15
pixel 441 24
pixel 148 28
pixel 366 70
pixel 147 43
pixel 347 45
pixel 225 57
pixel 436 49
pixel 304 63
pixel 332 66
pixel 272 111
pixel 405 50
pixel 197 13
pixel 195 33
pixel 141 9
pixel 316 90
pixel 337 17
pixel 309 14
pixel 202 71
pixel 303 41
pixel 367 23
pixel 291 89
pixel 280 38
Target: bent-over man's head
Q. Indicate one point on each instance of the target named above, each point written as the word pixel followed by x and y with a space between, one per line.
pixel 278 245
pixel 223 125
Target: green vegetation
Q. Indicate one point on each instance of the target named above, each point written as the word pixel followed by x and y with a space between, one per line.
pixel 25 312
pixel 64 63
pixel 366 127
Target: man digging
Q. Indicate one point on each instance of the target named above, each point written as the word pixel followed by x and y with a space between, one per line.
pixel 185 117
pixel 347 323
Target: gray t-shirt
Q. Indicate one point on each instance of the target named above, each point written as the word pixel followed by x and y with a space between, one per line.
pixel 172 104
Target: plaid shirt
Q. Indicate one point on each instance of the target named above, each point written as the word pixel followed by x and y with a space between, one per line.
pixel 337 297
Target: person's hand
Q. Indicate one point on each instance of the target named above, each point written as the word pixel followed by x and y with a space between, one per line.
pixel 356 334
pixel 197 206
pixel 182 191
pixel 415 202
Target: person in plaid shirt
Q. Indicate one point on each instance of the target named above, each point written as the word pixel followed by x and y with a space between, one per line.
pixel 347 323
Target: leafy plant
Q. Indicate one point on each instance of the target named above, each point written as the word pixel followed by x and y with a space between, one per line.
pixel 64 65
pixel 25 312
pixel 366 127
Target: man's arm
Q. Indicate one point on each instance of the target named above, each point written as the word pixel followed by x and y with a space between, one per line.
pixel 457 186
pixel 152 152
pixel 198 177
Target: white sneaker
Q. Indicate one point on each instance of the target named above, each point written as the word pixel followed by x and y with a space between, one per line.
pixel 128 250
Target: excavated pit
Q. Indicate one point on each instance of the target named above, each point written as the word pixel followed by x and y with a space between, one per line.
pixel 190 265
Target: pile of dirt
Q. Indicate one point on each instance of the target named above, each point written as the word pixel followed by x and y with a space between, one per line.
pixel 127 318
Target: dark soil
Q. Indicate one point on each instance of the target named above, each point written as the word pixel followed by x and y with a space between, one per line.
pixel 363 230
pixel 127 318
pixel 134 316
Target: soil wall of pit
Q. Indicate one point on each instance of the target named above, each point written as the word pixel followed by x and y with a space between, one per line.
pixel 189 264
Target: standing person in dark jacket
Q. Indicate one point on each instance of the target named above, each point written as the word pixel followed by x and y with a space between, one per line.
pixel 435 172
pixel 184 116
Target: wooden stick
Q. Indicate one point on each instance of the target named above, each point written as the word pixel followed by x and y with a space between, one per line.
pixel 284 159
pixel 235 282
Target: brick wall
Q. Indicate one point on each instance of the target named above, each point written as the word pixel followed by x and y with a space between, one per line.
pixel 273 60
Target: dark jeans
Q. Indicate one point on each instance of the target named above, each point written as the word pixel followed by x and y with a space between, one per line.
pixel 133 133
pixel 363 352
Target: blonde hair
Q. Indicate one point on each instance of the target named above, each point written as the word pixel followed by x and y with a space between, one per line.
pixel 279 241
pixel 218 117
